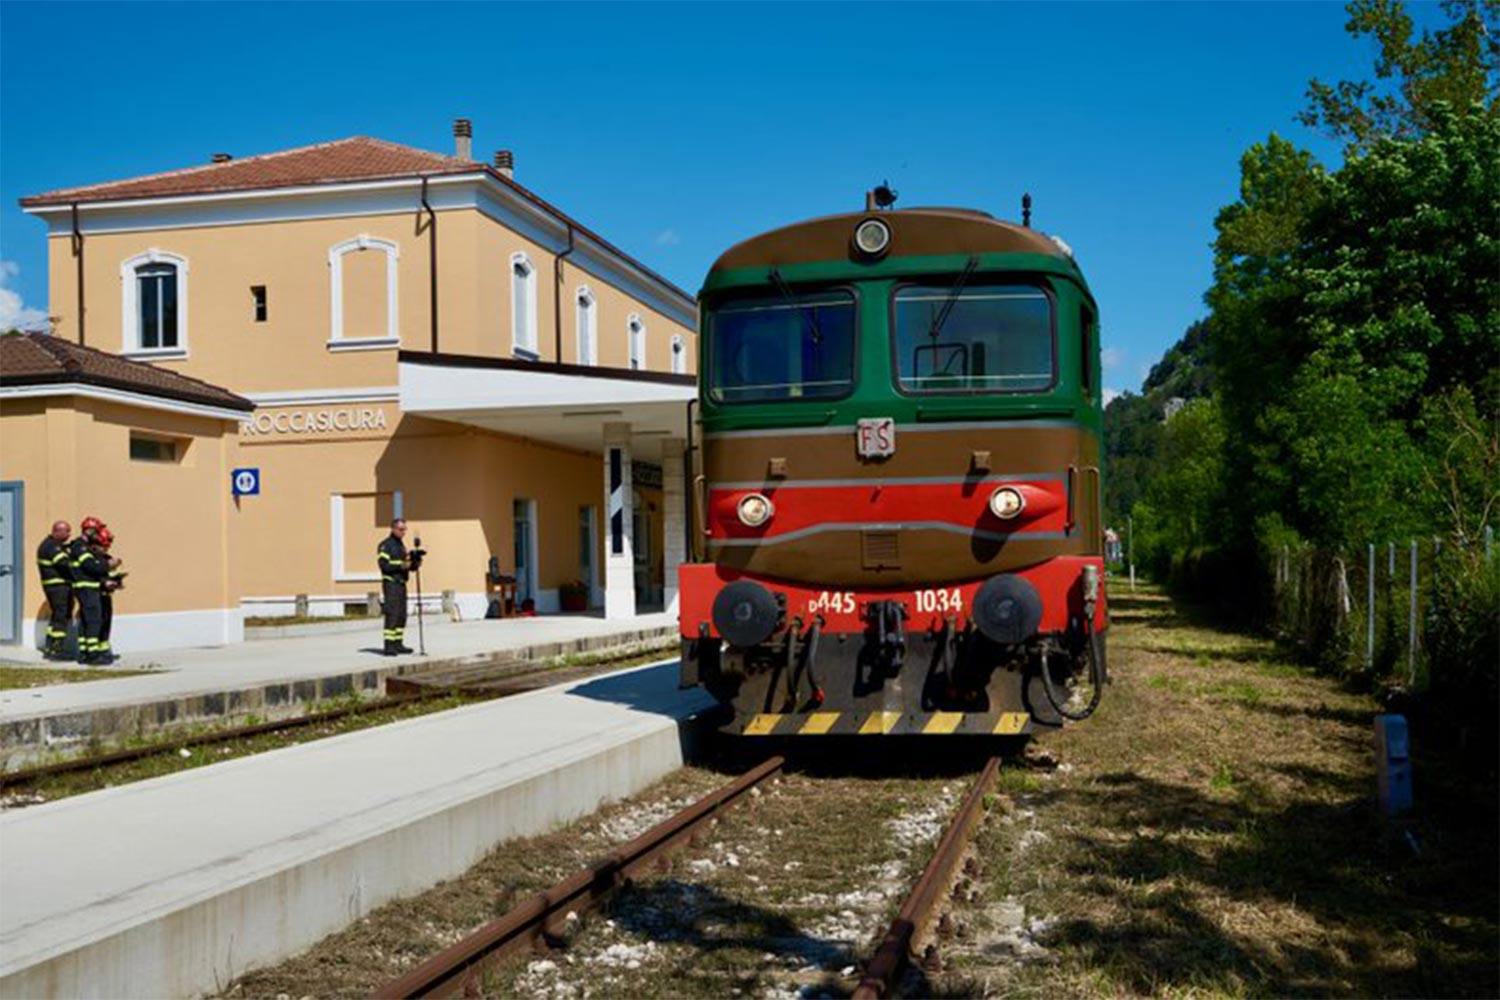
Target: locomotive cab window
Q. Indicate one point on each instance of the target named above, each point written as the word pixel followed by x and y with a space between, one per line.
pixel 973 338
pixel 782 347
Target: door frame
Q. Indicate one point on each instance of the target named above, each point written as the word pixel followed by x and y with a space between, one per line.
pixel 18 596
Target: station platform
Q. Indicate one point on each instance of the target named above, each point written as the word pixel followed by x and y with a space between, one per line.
pixel 173 887
pixel 279 676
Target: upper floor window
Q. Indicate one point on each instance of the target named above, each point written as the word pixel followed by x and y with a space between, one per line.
pixel 363 282
pixel 679 354
pixel 637 332
pixel 154 306
pixel 523 306
pixel 588 328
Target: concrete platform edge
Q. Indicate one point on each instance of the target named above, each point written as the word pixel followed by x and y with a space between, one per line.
pixel 200 948
pixel 25 739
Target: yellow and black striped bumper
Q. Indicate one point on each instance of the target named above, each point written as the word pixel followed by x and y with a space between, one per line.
pixel 880 723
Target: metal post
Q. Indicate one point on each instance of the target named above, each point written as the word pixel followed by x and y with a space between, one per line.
pixel 1130 541
pixel 1411 620
pixel 1391 554
pixel 1489 540
pixel 1370 608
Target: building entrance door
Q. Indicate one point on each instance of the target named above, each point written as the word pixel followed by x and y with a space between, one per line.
pixel 525 536
pixel 12 585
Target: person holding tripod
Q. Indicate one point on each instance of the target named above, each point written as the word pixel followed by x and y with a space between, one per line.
pixel 396 567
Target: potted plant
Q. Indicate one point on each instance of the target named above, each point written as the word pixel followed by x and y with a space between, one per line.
pixel 574 596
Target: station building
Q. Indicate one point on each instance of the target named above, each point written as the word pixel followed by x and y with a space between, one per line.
pixel 421 336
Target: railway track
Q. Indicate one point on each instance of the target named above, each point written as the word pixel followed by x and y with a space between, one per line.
pixel 508 679
pixel 544 920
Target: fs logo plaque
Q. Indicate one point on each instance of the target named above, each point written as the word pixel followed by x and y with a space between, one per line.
pixel 875 437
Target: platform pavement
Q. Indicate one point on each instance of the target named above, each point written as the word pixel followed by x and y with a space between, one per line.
pixel 174 886
pixel 271 677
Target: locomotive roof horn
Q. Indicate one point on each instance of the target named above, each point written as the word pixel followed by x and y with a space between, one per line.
pixel 883 197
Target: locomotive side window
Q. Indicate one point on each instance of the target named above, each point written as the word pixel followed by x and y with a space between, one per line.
pixel 973 338
pixel 794 346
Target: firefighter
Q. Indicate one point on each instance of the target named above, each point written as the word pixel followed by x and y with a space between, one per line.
pixel 90 570
pixel 57 583
pixel 112 582
pixel 396 566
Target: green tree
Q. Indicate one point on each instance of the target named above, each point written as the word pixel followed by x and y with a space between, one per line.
pixel 1457 65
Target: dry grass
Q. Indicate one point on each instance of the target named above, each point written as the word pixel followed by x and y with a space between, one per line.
pixel 1213 832
pixel 12 677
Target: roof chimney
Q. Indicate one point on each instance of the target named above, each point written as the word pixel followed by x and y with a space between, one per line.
pixel 505 162
pixel 463 138
pixel 222 158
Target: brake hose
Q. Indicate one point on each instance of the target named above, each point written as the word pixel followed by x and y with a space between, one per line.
pixel 1096 677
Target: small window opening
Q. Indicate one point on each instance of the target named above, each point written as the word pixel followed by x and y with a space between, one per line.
pixel 258 296
pixel 152 449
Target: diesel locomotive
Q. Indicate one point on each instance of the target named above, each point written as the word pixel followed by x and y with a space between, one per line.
pixel 896 510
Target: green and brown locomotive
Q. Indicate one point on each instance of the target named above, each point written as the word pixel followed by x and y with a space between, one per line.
pixel 896 511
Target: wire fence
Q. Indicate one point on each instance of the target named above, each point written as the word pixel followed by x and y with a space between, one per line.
pixel 1397 611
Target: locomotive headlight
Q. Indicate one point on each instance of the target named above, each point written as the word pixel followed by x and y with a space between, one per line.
pixel 872 237
pixel 1007 503
pixel 755 510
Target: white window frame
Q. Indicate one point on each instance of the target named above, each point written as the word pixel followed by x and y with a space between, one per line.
pixel 130 331
pixel 341 573
pixel 635 342
pixel 679 354
pixel 336 339
pixel 586 307
pixel 523 334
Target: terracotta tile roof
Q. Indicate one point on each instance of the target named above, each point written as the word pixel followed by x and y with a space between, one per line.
pixel 42 359
pixel 359 158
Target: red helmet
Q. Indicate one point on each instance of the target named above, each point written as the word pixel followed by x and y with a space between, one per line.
pixel 105 536
pixel 91 524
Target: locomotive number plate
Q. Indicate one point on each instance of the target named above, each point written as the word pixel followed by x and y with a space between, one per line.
pixel 876 437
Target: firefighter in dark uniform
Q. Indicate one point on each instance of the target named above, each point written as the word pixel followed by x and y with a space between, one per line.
pixel 90 570
pixel 396 566
pixel 115 579
pixel 57 583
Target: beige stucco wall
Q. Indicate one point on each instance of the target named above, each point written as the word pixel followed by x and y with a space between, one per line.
pixel 290 350
pixel 457 484
pixel 173 523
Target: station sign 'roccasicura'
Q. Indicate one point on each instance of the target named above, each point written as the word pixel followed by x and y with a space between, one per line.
pixel 350 418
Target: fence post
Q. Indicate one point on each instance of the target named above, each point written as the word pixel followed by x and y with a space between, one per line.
pixel 1391 569
pixel 1130 541
pixel 1370 610
pixel 1489 540
pixel 1411 621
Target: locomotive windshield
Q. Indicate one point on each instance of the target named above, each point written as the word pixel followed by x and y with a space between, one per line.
pixel 971 338
pixel 793 346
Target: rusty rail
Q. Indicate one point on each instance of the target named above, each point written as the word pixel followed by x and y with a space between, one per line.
pixel 455 970
pixel 891 957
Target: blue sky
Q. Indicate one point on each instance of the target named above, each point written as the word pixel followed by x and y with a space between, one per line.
pixel 678 130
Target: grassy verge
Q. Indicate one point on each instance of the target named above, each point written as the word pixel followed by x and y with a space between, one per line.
pixel 1213 832
pixel 12 677
pixel 271 621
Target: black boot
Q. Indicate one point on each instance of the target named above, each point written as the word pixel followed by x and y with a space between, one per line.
pixel 392 648
pixel 402 647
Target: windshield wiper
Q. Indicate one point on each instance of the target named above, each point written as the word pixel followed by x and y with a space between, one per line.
pixel 952 299
pixel 808 316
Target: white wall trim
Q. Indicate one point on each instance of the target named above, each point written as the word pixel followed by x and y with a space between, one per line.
pixel 130 334
pixel 109 395
pixel 150 631
pixel 336 545
pixel 586 309
pixel 336 286
pixel 523 335
pixel 318 397
pixel 364 344
pixel 679 354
